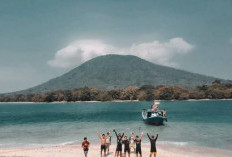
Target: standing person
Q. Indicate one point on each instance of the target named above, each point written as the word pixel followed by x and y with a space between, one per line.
pixel 153 150
pixel 132 141
pixel 103 143
pixel 164 112
pixel 119 143
pixel 138 141
pixel 85 146
pixel 126 143
pixel 108 142
pixel 154 107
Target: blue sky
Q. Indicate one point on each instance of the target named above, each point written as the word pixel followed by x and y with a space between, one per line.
pixel 43 39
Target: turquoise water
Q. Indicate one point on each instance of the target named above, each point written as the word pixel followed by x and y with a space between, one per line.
pixel 201 123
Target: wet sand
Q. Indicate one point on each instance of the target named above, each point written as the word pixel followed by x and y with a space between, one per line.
pixel 75 150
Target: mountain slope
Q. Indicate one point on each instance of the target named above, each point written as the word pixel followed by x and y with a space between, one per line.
pixel 117 71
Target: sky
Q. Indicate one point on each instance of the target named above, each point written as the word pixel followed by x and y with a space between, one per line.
pixel 43 39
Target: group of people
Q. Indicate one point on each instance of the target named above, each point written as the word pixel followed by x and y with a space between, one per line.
pixel 131 143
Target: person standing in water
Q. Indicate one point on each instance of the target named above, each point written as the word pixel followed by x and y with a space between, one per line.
pixel 126 143
pixel 138 141
pixel 164 112
pixel 85 146
pixel 132 142
pixel 153 150
pixel 119 143
pixel 103 143
pixel 108 142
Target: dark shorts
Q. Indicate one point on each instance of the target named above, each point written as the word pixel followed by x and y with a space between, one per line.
pixel 138 150
pixel 119 149
pixel 86 151
pixel 127 150
pixel 103 147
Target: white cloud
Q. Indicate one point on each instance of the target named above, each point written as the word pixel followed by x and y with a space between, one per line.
pixel 79 52
pixel 156 51
pixel 161 52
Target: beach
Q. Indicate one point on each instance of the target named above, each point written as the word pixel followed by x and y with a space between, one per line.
pixel 75 150
pixel 47 129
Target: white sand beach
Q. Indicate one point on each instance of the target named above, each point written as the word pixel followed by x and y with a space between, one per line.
pixel 164 150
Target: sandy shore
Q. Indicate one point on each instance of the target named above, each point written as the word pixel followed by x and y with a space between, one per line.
pixel 164 150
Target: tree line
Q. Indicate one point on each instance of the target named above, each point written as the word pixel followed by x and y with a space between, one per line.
pixel 216 90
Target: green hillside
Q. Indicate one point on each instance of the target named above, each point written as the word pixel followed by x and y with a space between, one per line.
pixel 119 71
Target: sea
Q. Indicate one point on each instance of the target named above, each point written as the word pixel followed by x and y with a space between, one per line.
pixel 190 123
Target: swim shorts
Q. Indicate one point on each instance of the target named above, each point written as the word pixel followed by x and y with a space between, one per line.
pixel 86 151
pixel 153 153
pixel 103 147
pixel 127 150
pixel 138 150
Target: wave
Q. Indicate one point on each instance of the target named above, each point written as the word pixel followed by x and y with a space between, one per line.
pixel 176 143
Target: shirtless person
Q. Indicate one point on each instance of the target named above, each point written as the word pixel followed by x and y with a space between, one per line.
pixel 154 107
pixel 85 146
pixel 164 112
pixel 103 143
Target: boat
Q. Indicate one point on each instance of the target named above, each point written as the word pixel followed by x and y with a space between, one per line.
pixel 154 116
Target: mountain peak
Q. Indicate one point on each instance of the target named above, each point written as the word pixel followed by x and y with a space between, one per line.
pixel 120 71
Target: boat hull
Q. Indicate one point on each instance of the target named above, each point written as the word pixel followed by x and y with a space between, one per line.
pixel 155 120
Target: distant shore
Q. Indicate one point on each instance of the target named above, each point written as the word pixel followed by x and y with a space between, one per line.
pixel 215 91
pixel 74 150
pixel 60 102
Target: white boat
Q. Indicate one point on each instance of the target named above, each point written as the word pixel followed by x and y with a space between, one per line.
pixel 154 118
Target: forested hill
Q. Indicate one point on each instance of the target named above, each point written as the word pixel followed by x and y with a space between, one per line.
pixel 118 72
pixel 217 90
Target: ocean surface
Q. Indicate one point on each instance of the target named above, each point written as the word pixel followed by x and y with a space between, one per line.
pixel 199 123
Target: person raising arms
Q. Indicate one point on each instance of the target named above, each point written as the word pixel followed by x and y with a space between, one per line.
pixel 103 143
pixel 132 141
pixel 119 143
pixel 153 139
pixel 126 143
pixel 138 141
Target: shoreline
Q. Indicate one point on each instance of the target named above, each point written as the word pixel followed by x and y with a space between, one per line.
pixel 97 143
pixel 72 102
pixel 73 150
